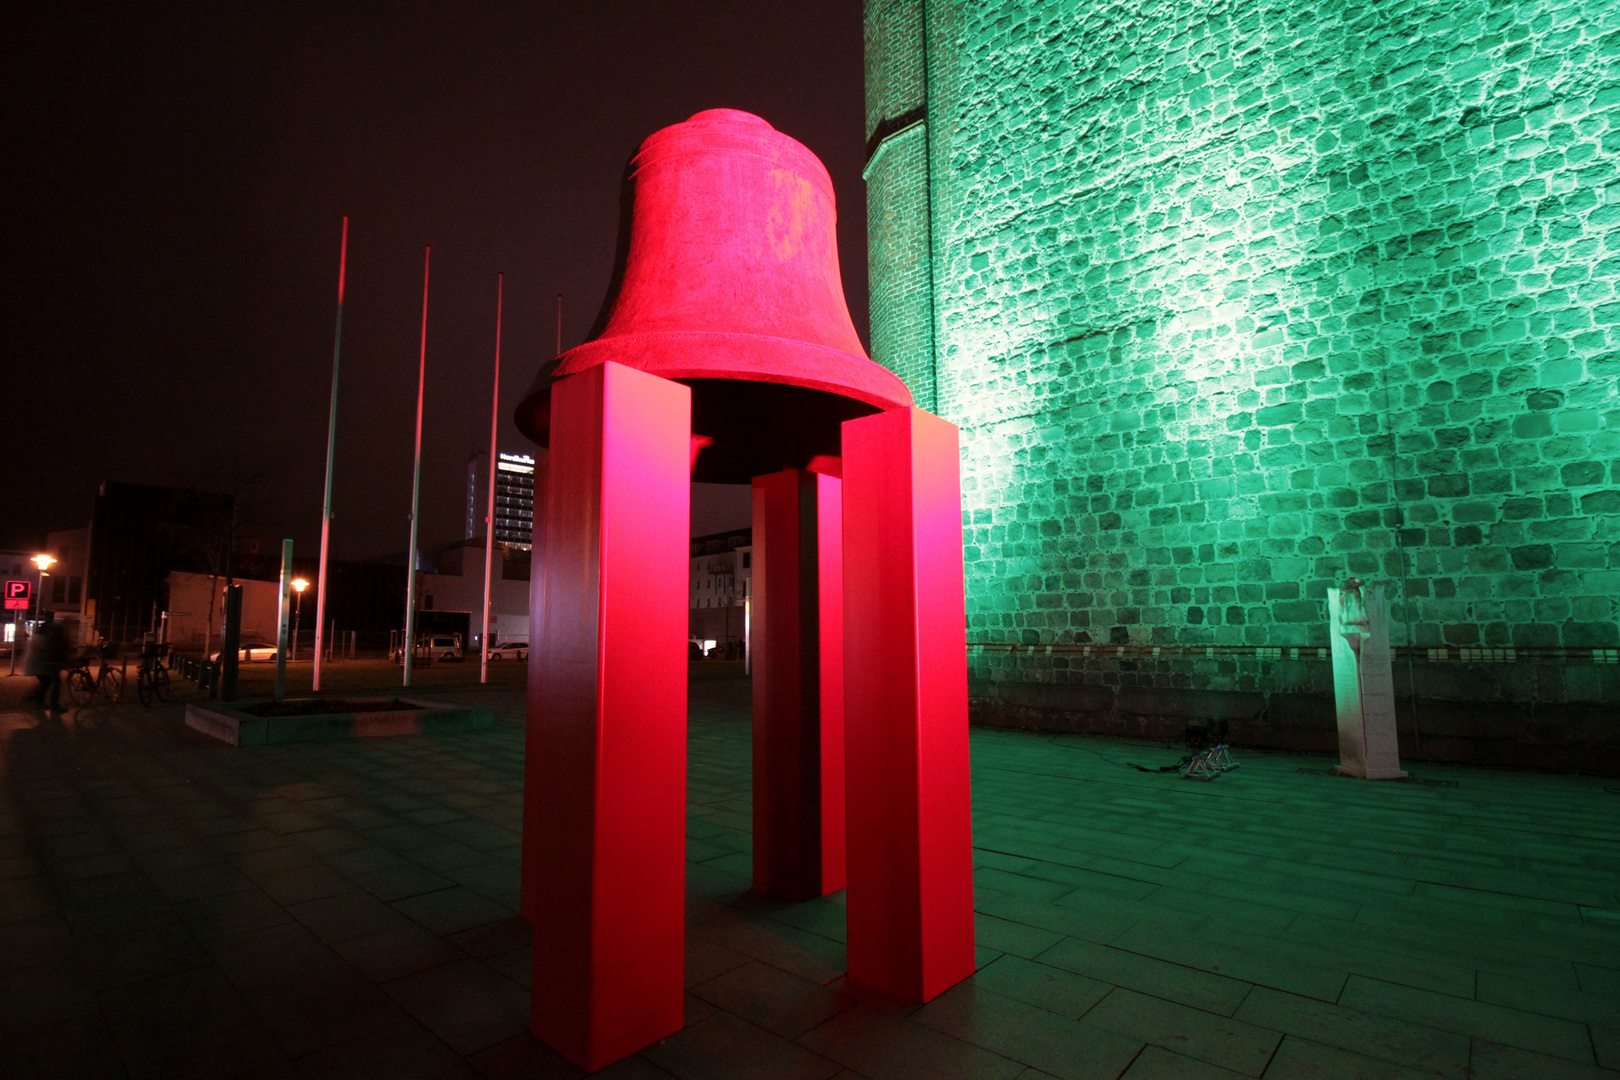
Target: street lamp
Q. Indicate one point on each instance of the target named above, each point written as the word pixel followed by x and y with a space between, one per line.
pixel 44 562
pixel 299 585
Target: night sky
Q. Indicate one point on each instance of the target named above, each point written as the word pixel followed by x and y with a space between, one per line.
pixel 177 179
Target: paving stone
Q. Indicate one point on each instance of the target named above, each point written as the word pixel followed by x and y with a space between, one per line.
pixel 1601 980
pixel 1214 854
pixel 403 1049
pixel 44 994
pixel 807 955
pixel 78 1049
pixel 347 915
pixel 727 1047
pixel 1301 1059
pixel 400 882
pixel 1160 978
pixel 153 1018
pixel 1155 1063
pixel 1270 960
pixel 141 955
pixel 884 1045
pixel 231 913
pixel 492 939
pixel 394 954
pixel 1011 937
pixel 310 1014
pixel 772 999
pixel 1527 1031
pixel 1606 1045
pixel 523 1057
pixel 1071 1049
pixel 36 942
pixel 466 1003
pixel 450 911
pixel 1220 1040
pixel 1393 1040
pixel 249 1052
pixel 274 954
pixel 1050 988
pixel 1495 1061
pixel 1547 1000
pixel 491 878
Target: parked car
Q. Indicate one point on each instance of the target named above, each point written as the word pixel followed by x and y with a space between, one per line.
pixel 509 650
pixel 433 647
pixel 254 652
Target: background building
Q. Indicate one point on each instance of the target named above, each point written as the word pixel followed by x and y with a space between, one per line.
pixel 197 612
pixel 138 534
pixel 457 584
pixel 63 585
pixel 514 498
pixel 1233 302
pixel 722 575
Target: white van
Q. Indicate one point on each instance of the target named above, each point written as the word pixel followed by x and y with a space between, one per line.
pixel 445 647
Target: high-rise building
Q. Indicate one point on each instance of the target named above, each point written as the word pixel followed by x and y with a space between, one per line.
pixel 514 498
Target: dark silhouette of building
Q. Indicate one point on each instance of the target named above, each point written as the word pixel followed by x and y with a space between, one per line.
pixel 138 534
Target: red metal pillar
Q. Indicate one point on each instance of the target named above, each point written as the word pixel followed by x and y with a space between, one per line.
pixel 607 771
pixel 798 675
pixel 910 893
pixel 531 869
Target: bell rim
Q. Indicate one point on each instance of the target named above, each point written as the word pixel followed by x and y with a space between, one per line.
pixel 784 361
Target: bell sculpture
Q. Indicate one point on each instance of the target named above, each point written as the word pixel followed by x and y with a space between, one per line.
pixel 724 352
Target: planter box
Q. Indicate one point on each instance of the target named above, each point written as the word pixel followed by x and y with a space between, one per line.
pixel 239 724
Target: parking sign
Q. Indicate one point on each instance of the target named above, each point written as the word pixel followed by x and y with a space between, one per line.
pixel 18 593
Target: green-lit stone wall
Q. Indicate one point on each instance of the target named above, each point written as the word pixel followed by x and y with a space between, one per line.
pixel 1233 301
pixel 898 197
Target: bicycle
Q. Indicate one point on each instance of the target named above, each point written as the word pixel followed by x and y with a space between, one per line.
pixel 152 678
pixel 108 681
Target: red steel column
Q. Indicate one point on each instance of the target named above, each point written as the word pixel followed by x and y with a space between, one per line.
pixel 798 675
pixel 607 775
pixel 530 869
pixel 905 707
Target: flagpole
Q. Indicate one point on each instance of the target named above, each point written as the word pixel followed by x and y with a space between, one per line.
pixel 331 445
pixel 489 514
pixel 416 481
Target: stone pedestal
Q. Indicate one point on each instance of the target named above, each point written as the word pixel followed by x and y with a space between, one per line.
pixel 1363 682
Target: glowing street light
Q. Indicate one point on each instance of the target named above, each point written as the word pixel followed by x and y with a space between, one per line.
pixel 299 585
pixel 44 562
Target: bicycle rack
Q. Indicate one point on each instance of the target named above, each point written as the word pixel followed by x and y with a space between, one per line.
pixel 1209 756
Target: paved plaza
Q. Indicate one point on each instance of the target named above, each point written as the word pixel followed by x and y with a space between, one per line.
pixel 172 907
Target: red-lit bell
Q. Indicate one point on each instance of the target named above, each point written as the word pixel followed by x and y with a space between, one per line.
pixel 727 280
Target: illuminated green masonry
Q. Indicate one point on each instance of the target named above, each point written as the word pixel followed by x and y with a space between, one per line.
pixel 1235 300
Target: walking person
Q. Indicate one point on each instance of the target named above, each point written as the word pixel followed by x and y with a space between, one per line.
pixel 47 656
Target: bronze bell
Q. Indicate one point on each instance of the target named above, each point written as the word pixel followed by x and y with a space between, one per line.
pixel 726 279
